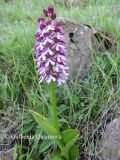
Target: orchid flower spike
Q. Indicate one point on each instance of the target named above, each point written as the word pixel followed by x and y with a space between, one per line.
pixel 50 50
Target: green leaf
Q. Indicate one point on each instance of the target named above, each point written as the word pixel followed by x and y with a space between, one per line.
pixel 35 141
pixel 64 126
pixel 15 152
pixel 69 134
pixel 74 152
pixel 70 137
pixel 45 124
pixel 65 150
pixel 55 156
pixel 45 145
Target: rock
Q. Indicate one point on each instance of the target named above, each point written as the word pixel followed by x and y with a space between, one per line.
pixel 110 143
pixel 8 155
pixel 71 2
pixel 80 41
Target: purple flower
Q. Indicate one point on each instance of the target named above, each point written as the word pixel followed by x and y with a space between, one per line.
pixel 50 50
pixel 49 12
pixel 53 16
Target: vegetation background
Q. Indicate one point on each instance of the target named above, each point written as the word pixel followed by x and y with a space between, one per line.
pixel 87 106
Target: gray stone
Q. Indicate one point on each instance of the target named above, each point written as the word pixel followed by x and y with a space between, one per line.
pixel 80 41
pixel 110 143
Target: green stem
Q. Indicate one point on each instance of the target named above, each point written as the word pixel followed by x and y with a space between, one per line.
pixel 53 102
